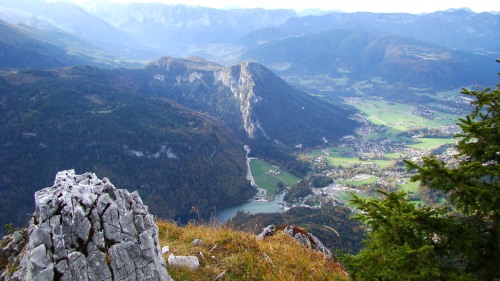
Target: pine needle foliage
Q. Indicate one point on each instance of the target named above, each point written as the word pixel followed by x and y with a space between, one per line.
pixel 462 243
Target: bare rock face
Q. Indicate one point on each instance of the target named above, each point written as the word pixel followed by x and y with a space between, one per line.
pixel 84 228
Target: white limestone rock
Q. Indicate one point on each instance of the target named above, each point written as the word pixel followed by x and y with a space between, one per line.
pixel 84 228
pixel 190 262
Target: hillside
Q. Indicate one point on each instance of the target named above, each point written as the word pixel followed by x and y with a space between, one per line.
pixel 19 49
pixel 138 126
pixel 345 237
pixel 84 227
pixel 83 118
pixel 26 47
pixel 252 99
pixel 63 17
pixel 242 257
pixel 360 55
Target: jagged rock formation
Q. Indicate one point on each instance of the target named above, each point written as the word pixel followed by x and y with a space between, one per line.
pixel 84 228
pixel 301 236
pixel 11 247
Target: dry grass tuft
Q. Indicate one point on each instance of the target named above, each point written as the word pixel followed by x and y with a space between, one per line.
pixel 243 257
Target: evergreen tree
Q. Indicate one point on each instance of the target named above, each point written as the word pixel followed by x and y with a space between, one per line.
pixel 410 243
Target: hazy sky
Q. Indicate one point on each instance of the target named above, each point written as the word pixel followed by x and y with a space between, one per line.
pixel 409 6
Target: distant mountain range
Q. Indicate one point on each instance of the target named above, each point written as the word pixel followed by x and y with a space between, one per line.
pixel 361 55
pixel 71 19
pixel 459 29
pixel 174 129
pixel 183 30
pixel 24 47
pixel 175 29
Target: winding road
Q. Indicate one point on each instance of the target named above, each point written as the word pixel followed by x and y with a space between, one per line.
pixel 261 192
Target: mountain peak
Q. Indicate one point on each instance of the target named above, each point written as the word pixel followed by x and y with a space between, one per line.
pixel 267 103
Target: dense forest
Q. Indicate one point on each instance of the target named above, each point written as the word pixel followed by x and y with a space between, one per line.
pixel 53 120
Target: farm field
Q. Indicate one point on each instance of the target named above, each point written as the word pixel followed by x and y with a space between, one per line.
pixel 269 180
pixel 431 143
pixel 409 186
pixel 336 158
pixel 358 182
pixel 399 116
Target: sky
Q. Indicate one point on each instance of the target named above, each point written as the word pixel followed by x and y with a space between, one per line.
pixel 379 6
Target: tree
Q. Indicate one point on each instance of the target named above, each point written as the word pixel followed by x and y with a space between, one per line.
pixel 462 243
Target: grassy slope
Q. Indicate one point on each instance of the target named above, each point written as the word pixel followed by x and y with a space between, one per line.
pixel 242 256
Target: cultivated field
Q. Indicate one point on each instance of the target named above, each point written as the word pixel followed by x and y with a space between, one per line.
pixel 400 116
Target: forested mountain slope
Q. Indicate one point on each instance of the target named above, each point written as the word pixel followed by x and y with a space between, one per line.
pixel 129 124
pixel 252 99
pixel 80 118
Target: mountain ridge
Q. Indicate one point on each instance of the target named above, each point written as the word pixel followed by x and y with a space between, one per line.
pixel 257 94
pixel 80 118
pixel 171 129
pixel 360 55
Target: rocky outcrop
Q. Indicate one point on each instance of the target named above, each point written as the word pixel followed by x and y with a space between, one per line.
pixel 84 228
pixel 301 236
pixel 240 81
pixel 11 247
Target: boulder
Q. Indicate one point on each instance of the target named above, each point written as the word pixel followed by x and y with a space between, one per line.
pixel 190 262
pixel 300 235
pixel 84 228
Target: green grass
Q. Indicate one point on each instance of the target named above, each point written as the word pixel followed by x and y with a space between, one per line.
pixel 395 155
pixel 343 161
pixel 335 157
pixel 268 181
pixel 409 186
pixel 431 143
pixel 243 257
pixel 399 116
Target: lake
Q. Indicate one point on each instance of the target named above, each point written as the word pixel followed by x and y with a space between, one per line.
pixel 252 207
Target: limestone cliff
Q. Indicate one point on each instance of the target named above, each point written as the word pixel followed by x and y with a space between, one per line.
pixel 240 82
pixel 84 228
pixel 251 99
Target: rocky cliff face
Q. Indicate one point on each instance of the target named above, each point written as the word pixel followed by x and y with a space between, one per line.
pixel 251 99
pixel 84 228
pixel 240 82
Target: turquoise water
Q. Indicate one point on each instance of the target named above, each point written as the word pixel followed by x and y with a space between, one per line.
pixel 253 207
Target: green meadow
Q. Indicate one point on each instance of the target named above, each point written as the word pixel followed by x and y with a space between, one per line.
pixel 431 143
pixel 260 172
pixel 359 182
pixel 335 157
pixel 400 116
pixel 409 186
